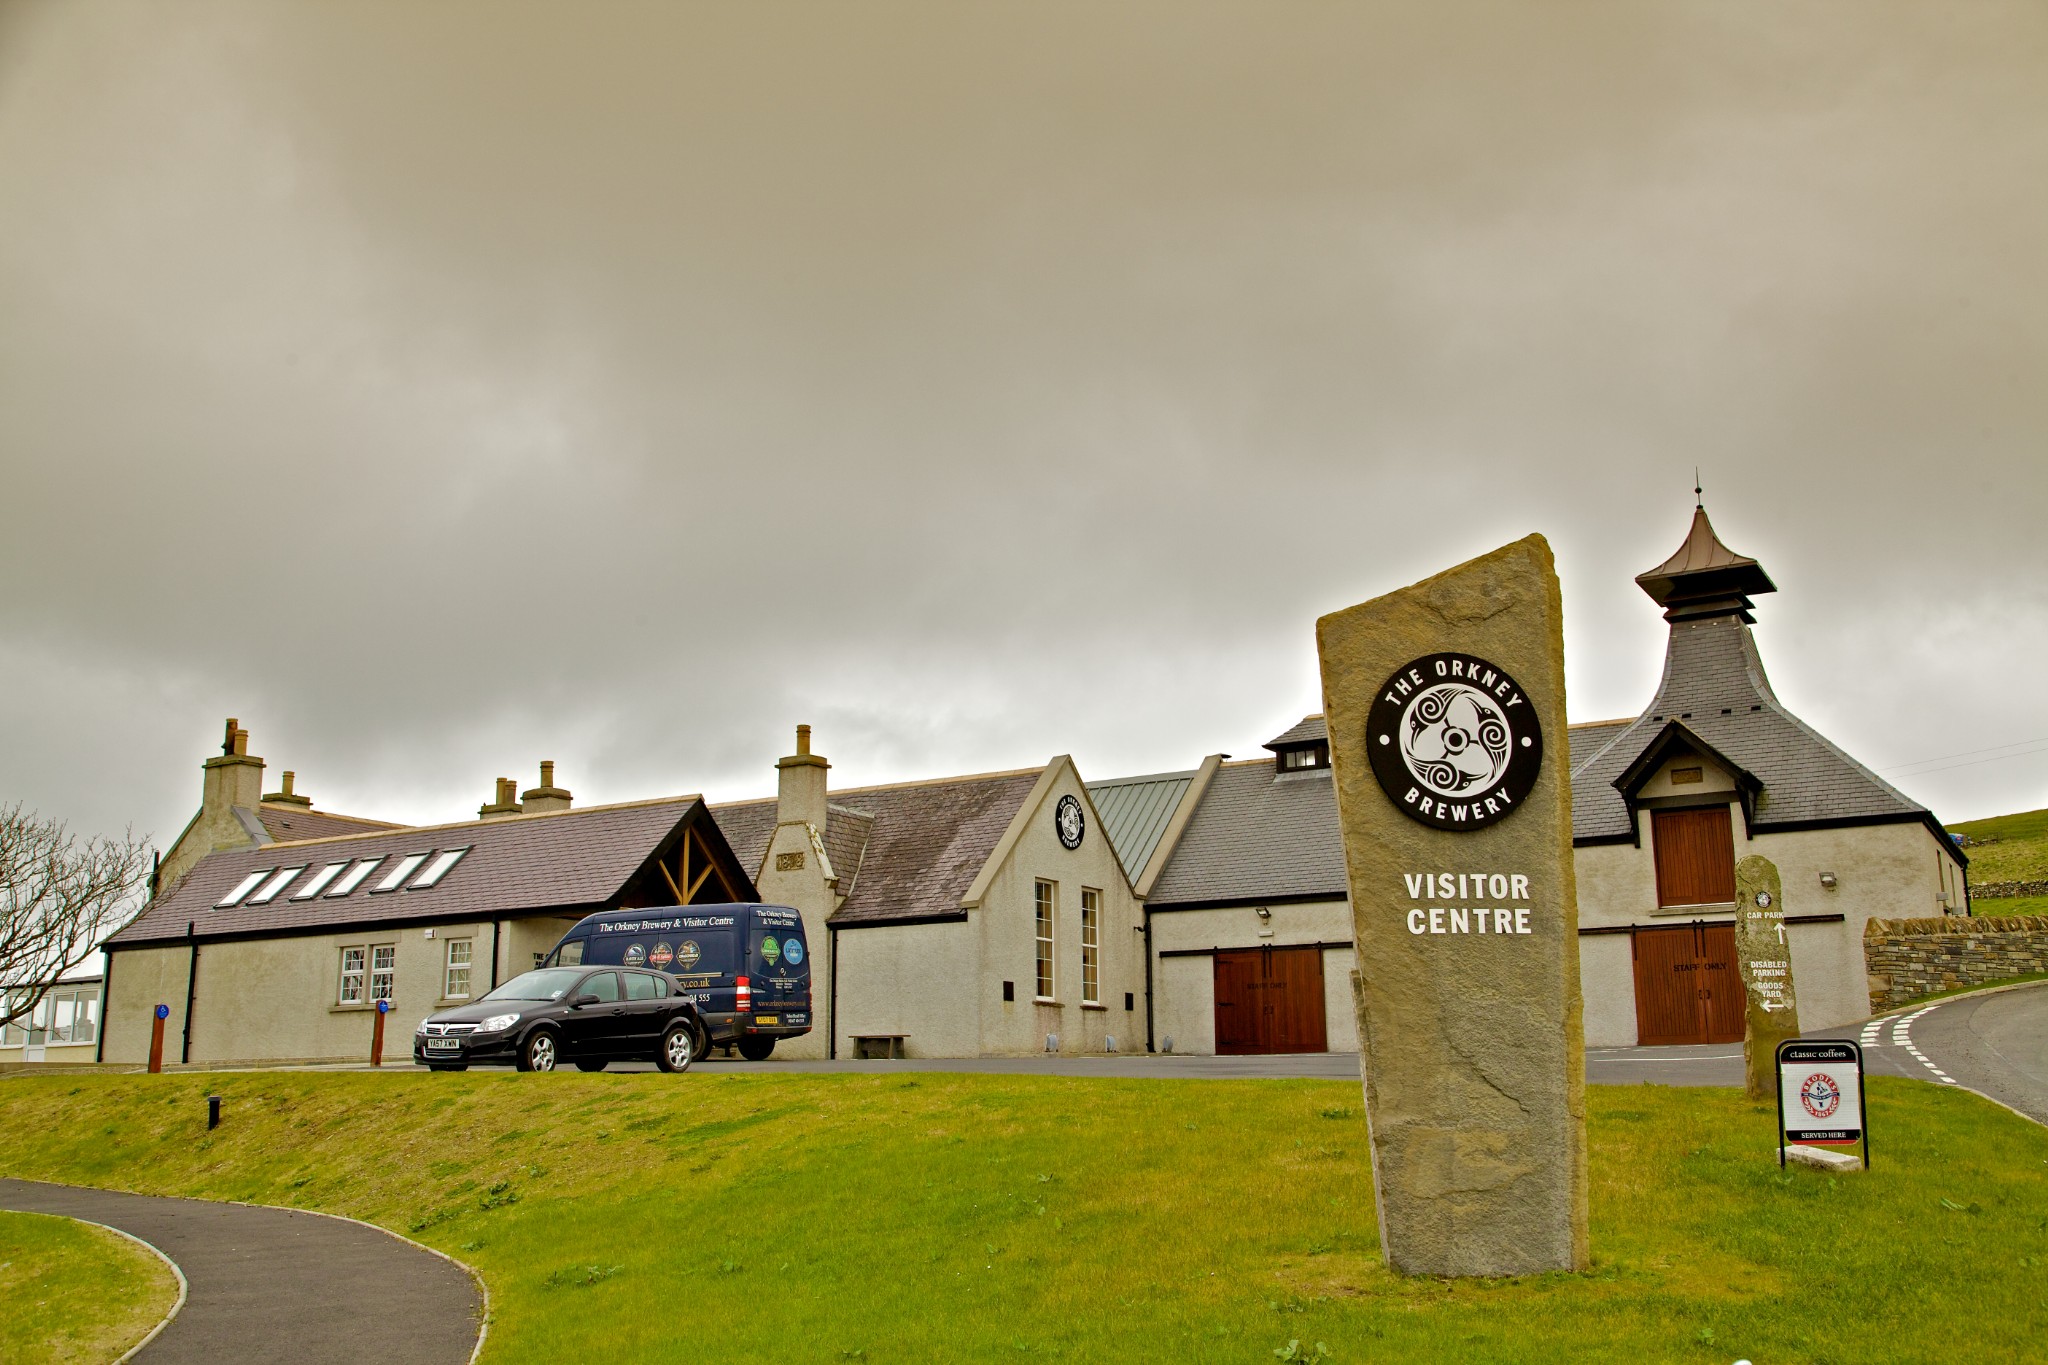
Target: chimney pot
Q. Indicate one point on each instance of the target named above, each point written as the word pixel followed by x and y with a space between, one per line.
pixel 288 776
pixel 241 742
pixel 547 772
pixel 803 741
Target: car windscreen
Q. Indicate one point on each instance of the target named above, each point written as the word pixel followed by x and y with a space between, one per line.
pixel 549 983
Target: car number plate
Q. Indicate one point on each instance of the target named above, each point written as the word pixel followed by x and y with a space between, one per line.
pixel 766 1019
pixel 444 1044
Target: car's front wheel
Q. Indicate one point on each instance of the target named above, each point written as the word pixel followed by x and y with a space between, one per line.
pixel 539 1052
pixel 756 1049
pixel 679 1047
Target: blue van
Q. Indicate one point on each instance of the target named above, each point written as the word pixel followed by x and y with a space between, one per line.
pixel 747 968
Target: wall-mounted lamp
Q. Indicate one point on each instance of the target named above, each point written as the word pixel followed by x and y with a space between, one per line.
pixel 1263 913
pixel 1827 879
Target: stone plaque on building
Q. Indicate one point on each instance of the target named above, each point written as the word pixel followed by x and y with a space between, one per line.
pixel 1440 700
pixel 1764 958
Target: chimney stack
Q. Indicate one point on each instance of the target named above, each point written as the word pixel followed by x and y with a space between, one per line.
pixel 287 797
pixel 547 796
pixel 800 798
pixel 506 803
pixel 234 779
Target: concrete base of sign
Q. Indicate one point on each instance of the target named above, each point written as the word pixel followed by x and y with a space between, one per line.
pixel 1821 1159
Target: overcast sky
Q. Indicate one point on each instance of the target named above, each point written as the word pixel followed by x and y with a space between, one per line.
pixel 440 388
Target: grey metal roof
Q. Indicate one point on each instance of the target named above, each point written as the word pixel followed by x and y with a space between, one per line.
pixel 1135 812
pixel 1714 682
pixel 1307 730
pixel 1258 834
pixel 571 861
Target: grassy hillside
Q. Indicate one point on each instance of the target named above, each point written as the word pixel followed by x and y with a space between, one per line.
pixel 2007 848
pixel 74 1292
pixel 933 1217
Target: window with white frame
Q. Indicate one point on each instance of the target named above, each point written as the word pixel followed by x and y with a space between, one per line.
pixel 383 968
pixel 65 1014
pixel 353 961
pixel 1043 896
pixel 1091 946
pixel 455 984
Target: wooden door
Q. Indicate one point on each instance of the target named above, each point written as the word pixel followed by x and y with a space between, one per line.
pixel 1723 1002
pixel 1695 856
pixel 1237 1003
pixel 1687 987
pixel 1270 1000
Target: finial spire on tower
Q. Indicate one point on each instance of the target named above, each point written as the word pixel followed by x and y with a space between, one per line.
pixel 1699 498
pixel 1704 577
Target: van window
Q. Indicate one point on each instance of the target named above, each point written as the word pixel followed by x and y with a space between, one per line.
pixel 570 954
pixel 640 986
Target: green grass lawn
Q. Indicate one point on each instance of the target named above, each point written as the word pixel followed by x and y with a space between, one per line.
pixel 2009 905
pixel 70 1291
pixel 2020 850
pixel 941 1217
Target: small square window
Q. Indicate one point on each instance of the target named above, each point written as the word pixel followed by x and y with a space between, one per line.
pixel 1009 990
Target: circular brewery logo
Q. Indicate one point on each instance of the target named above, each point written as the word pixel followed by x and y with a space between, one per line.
pixel 792 951
pixel 1454 740
pixel 661 956
pixel 1820 1095
pixel 636 953
pixel 1071 823
pixel 1763 900
pixel 687 954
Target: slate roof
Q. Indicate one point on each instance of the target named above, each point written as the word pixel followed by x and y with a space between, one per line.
pixel 1307 730
pixel 1258 835
pixel 285 823
pixel 1714 683
pixel 924 841
pixel 1584 740
pixel 1135 812
pixel 569 862
pixel 749 825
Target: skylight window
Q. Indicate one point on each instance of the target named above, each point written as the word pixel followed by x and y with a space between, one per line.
pixel 317 883
pixel 242 888
pixel 437 869
pixel 355 876
pixel 406 867
pixel 275 885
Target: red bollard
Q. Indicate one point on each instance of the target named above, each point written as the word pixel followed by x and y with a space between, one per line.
pixel 377 1034
pixel 156 1039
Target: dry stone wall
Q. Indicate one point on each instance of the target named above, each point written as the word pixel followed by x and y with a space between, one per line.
pixel 1985 891
pixel 1909 958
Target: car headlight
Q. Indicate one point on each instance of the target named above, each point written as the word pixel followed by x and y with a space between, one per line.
pixel 496 1022
pixel 423 1025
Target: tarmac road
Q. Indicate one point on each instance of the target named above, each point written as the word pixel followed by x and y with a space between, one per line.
pixel 1994 1042
pixel 278 1284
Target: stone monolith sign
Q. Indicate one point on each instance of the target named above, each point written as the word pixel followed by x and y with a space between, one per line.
pixel 1765 960
pixel 1445 704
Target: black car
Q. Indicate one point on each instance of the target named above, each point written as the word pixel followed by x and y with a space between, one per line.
pixel 591 1017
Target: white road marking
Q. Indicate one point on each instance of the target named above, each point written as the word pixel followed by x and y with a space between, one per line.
pixel 1902 1036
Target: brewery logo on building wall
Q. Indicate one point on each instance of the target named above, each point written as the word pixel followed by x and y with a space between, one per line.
pixel 1067 817
pixel 1454 740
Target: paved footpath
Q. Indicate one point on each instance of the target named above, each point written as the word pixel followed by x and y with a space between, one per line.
pixel 280 1285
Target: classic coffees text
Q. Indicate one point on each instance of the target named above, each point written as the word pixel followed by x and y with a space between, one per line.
pixel 1468 918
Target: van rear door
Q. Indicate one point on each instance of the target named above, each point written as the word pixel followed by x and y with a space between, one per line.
pixel 779 965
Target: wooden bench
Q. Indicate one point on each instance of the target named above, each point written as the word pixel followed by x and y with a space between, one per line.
pixel 878 1046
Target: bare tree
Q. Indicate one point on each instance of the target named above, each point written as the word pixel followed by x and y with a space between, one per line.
pixel 58 898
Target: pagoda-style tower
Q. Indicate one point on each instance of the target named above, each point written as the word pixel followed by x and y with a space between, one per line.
pixel 1716 700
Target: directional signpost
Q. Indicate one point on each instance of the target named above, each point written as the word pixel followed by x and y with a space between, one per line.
pixel 1765 959
pixel 1820 1100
